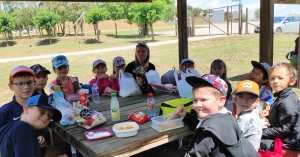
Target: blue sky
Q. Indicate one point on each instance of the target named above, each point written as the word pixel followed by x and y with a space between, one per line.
pixel 279 9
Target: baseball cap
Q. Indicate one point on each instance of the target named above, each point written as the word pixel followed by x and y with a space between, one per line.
pixel 59 61
pixel 118 61
pixel 209 80
pixel 187 60
pixel 247 86
pixel 98 61
pixel 263 66
pixel 36 68
pixel 43 101
pixel 20 68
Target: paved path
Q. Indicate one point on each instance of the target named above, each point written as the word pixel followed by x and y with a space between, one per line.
pixel 104 49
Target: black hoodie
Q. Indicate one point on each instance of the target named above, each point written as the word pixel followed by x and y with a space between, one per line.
pixel 219 136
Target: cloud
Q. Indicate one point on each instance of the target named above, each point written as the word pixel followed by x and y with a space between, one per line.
pixel 208 4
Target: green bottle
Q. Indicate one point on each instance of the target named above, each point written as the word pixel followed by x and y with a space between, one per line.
pixel 114 107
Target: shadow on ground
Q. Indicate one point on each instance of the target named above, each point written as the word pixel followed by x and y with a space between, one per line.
pixel 47 42
pixel 10 43
pixel 92 41
pixel 238 77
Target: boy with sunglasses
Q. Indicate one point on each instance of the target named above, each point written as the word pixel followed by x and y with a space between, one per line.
pixel 41 78
pixel 21 82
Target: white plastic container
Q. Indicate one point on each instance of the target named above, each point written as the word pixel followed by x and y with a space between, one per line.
pixel 125 132
pixel 161 124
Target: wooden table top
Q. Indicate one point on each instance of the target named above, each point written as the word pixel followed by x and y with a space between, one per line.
pixel 146 138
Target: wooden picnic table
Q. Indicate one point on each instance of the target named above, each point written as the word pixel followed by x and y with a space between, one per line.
pixel 146 138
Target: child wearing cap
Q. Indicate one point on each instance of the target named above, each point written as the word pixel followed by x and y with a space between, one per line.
pixel 101 78
pixel 186 63
pixel 18 138
pixel 68 84
pixel 41 78
pixel 284 113
pixel 21 82
pixel 246 99
pixel 216 133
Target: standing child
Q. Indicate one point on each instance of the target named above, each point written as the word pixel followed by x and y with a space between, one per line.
pixel 284 111
pixel 41 78
pixel 246 99
pixel 68 84
pixel 216 133
pixel 218 68
pixel 101 78
pixel 18 138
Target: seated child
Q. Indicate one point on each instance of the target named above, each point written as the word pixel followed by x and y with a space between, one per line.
pixel 41 78
pixel 118 64
pixel 68 84
pixel 246 99
pixel 102 79
pixel 18 138
pixel 169 78
pixel 216 132
pixel 284 111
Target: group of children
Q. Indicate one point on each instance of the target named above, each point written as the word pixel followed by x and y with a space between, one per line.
pixel 246 133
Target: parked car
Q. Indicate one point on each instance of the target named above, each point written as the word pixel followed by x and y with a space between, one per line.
pixel 287 24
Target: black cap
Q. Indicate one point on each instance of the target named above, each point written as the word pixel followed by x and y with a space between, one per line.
pixel 36 68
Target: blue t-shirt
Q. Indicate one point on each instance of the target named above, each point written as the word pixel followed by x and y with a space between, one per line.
pixel 18 139
pixel 10 112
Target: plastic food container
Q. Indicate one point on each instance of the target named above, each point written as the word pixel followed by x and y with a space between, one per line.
pixel 160 123
pixel 125 129
pixel 98 134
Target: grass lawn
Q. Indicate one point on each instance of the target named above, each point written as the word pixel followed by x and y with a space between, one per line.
pixel 237 52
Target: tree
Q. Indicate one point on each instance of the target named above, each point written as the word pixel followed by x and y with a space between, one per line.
pixel 117 12
pixel 257 13
pixel 95 15
pixel 7 24
pixel 46 20
pixel 146 14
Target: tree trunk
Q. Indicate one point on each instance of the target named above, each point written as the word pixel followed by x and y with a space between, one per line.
pixel 6 39
pixel 75 31
pixel 64 28
pixel 20 31
pixel 146 30
pixel 98 36
pixel 49 35
pixel 152 32
pixel 36 31
pixel 116 26
pixel 95 29
pixel 27 29
pixel 81 28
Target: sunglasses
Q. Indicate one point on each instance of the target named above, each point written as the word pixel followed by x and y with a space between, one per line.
pixel 142 44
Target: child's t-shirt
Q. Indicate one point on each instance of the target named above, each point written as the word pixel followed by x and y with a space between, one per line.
pixel 10 112
pixel 266 95
pixel 18 139
pixel 68 89
pixel 250 123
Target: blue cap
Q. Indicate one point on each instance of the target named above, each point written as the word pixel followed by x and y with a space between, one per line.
pixel 59 61
pixel 187 60
pixel 43 101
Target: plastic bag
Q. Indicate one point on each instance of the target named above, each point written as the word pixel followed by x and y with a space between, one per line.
pixel 108 91
pixel 128 87
pixel 84 94
pixel 153 77
pixel 88 118
pixel 192 72
pixel 139 117
pixel 184 89
pixel 66 109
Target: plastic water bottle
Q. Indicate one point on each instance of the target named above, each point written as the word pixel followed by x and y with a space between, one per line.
pixel 151 106
pixel 58 97
pixel 114 107
pixel 95 94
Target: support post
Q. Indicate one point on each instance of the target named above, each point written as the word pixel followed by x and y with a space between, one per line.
pixel 266 31
pixel 298 67
pixel 227 19
pixel 182 31
pixel 246 28
pixel 193 24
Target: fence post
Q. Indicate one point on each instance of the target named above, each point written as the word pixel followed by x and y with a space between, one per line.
pixel 246 29
pixel 298 67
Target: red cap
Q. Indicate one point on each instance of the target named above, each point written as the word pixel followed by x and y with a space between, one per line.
pixel 20 68
pixel 150 95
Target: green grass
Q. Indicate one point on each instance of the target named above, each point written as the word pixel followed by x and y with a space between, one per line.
pixel 237 52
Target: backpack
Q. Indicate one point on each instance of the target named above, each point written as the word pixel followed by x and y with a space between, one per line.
pixel 168 77
pixel 168 106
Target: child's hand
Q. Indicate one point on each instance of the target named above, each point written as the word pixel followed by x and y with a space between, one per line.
pixel 113 76
pixel 42 141
pixel 182 113
pixel 104 76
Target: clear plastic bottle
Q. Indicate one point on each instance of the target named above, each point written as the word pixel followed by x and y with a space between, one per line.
pixel 151 106
pixel 58 97
pixel 114 107
pixel 95 94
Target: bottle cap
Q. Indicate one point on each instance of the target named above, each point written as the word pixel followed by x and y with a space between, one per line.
pixel 150 95
pixel 56 88
pixel 113 94
pixel 95 84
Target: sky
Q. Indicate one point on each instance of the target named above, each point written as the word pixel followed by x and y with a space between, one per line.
pixel 279 9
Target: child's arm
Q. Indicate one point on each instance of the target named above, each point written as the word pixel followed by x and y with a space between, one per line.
pixel 287 119
pixel 203 145
pixel 191 121
pixel 243 124
pixel 115 84
pixel 3 117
